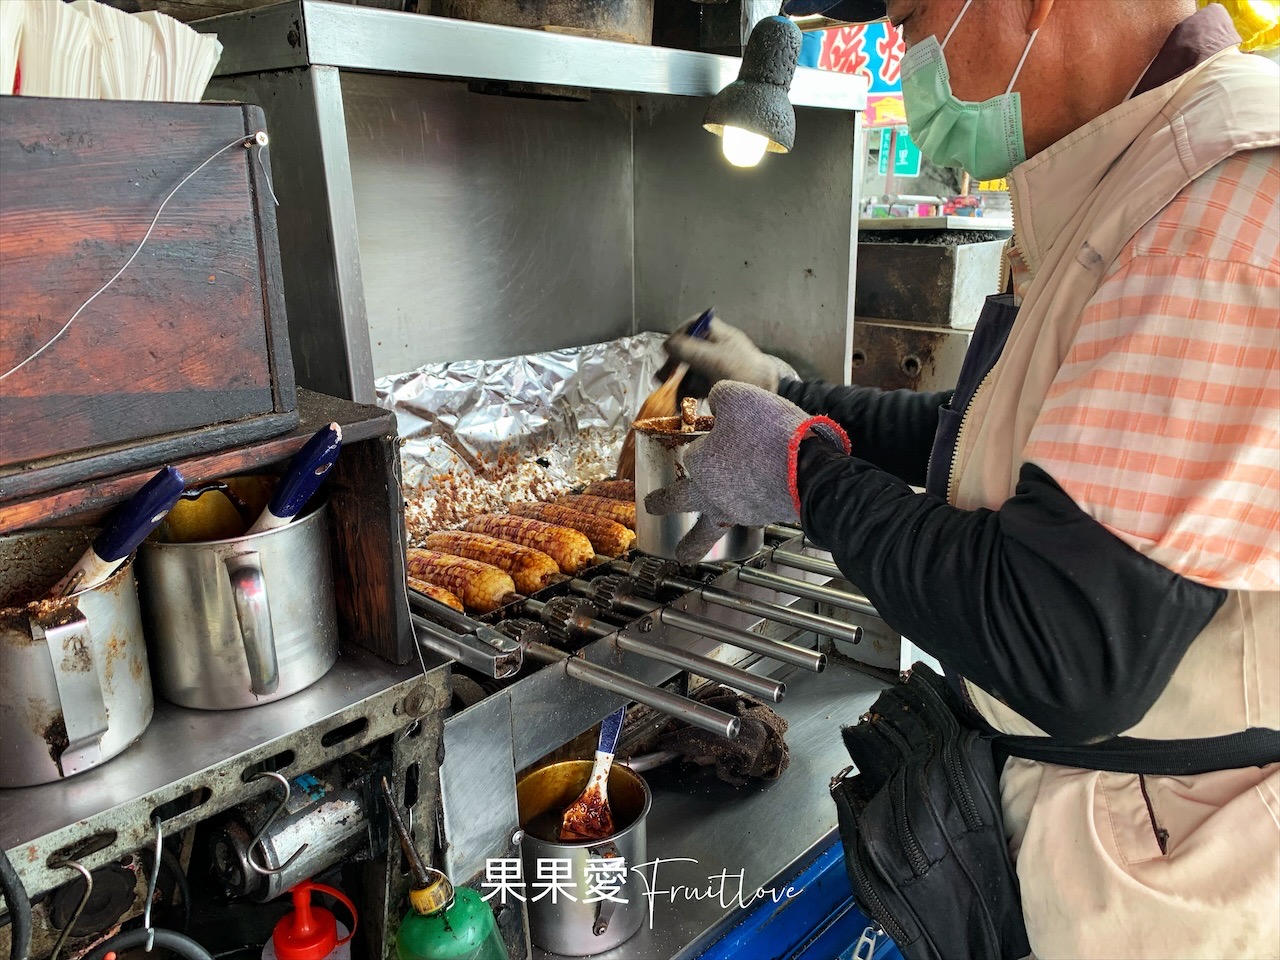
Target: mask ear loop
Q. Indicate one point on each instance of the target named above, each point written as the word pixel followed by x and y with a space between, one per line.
pixel 1018 69
pixel 963 10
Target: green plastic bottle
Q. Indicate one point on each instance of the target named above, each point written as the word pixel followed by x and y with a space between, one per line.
pixel 462 928
pixel 443 923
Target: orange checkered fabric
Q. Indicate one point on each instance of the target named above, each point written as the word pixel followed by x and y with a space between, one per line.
pixel 1163 422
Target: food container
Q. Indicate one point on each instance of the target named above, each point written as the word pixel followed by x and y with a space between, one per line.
pixel 660 447
pixel 243 621
pixel 630 21
pixel 75 690
pixel 579 927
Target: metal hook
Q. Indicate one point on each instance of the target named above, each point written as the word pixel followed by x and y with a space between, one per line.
pixel 257 839
pixel 152 881
pixel 84 900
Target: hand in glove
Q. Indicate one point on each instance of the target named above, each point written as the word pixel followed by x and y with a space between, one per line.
pixel 725 353
pixel 744 471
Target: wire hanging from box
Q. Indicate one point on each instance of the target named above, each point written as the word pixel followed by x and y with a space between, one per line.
pixel 259 139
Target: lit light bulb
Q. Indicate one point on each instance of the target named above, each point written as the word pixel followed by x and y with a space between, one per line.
pixel 743 148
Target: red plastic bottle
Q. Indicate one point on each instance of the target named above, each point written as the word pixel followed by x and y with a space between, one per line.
pixel 311 932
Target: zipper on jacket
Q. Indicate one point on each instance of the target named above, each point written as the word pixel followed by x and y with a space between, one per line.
pixel 915 853
pixel 952 482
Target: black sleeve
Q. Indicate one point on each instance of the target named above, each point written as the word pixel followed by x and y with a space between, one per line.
pixel 892 429
pixel 1036 603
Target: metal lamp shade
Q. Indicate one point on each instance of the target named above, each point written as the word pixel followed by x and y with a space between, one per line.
pixel 758 100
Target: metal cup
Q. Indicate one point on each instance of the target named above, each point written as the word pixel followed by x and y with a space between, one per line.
pixel 240 622
pixel 75 689
pixel 660 448
pixel 578 927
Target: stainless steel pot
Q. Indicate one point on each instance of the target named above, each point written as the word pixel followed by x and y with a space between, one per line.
pixel 579 927
pixel 75 689
pixel 241 622
pixel 660 450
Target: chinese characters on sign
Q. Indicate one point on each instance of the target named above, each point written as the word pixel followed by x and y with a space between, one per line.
pixel 874 50
pixel 906 155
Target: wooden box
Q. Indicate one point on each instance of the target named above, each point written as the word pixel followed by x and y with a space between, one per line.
pixel 186 351
pixel 366 505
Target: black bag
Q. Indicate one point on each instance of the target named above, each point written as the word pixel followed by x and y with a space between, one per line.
pixel 923 835
pixel 921 823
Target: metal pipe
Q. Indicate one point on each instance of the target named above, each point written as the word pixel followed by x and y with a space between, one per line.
pixel 690 711
pixel 591 628
pixel 810 591
pixel 481 656
pixel 825 626
pixel 440 615
pixel 802 561
pixel 637 606
pixel 777 649
pixel 771 690
pixel 782 531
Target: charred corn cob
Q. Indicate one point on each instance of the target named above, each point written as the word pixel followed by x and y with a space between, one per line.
pixel 570 549
pixel 480 586
pixel 619 511
pixel 613 489
pixel 437 594
pixel 530 569
pixel 607 537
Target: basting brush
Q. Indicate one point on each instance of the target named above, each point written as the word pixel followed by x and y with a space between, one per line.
pixel 660 403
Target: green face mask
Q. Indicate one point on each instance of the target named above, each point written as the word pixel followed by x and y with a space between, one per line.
pixel 983 138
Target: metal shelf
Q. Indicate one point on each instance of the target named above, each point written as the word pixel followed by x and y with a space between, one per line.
pixel 206 753
pixel 305 33
pixel 895 224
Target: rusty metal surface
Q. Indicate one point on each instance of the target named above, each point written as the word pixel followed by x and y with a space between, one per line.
pixel 189 765
pixel 928 278
pixel 901 356
pixel 629 21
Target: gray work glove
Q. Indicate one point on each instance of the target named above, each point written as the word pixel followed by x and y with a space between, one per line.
pixel 726 353
pixel 744 471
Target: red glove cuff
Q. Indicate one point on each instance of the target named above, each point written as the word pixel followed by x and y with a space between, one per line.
pixel 793 452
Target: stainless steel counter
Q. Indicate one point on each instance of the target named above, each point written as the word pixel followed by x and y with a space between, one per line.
pixel 765 830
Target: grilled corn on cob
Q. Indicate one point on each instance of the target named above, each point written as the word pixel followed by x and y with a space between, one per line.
pixel 619 511
pixel 570 549
pixel 607 537
pixel 613 489
pixel 530 569
pixel 437 594
pixel 480 586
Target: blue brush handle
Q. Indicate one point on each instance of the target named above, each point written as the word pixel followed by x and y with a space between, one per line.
pixel 698 330
pixel 306 472
pixel 139 515
pixel 702 326
pixel 610 730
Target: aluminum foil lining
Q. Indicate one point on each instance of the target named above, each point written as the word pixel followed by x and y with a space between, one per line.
pixel 480 434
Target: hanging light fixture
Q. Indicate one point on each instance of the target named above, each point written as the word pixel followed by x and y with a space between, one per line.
pixel 753 115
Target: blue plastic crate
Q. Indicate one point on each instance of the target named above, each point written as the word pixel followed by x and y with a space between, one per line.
pixel 820 923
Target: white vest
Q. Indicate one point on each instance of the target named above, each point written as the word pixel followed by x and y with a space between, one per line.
pixel 1076 206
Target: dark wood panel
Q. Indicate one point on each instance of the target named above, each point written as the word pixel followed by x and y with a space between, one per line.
pixel 200 309
pixel 364 494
